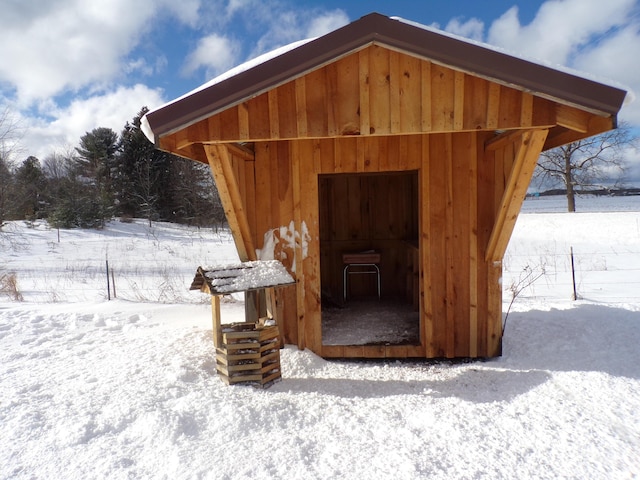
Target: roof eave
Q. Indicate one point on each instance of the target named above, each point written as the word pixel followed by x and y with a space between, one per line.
pixel 375 28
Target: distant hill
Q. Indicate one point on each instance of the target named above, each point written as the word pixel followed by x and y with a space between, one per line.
pixel 609 192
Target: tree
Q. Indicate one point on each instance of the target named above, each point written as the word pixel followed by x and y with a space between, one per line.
pixel 74 202
pixel 29 187
pixel 6 192
pixel 10 133
pixel 96 163
pixel 143 181
pixel 587 164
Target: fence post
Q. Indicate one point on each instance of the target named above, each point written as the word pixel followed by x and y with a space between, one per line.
pixel 573 276
pixel 108 286
pixel 113 284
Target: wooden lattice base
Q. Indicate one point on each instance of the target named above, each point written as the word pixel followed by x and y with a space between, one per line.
pixel 249 353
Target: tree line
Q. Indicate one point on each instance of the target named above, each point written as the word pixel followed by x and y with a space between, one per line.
pixel 109 175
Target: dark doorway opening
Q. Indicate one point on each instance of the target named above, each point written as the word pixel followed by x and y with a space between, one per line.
pixel 373 217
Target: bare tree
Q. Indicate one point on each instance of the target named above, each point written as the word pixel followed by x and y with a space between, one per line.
pixel 10 133
pixel 589 164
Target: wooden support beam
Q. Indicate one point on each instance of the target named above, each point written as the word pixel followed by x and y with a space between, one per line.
pixel 222 171
pixel 572 118
pixel 217 329
pixel 527 150
pixel 561 136
pixel 299 263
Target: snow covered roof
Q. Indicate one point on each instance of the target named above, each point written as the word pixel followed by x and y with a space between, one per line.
pixel 275 68
pixel 241 277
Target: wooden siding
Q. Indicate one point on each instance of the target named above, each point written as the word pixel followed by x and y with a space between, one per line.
pixel 377 91
pixel 461 147
pixel 460 188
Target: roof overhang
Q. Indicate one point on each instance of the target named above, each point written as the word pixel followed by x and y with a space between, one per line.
pixel 456 53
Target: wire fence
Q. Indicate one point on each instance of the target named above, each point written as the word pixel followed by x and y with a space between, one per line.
pixel 600 276
pixel 609 275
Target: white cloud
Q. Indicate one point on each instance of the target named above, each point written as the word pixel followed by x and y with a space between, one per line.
pixel 53 47
pixel 280 25
pixel 215 53
pixel 472 28
pixel 599 38
pixel 50 50
pixel 615 58
pixel 559 28
pixel 60 127
pixel 326 22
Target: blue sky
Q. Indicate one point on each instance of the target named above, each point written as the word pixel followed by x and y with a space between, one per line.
pixel 69 66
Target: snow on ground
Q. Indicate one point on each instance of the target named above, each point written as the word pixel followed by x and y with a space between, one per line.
pixel 126 388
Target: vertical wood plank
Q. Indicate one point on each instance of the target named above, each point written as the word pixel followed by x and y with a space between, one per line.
pixel 442 98
pixel 437 244
pixel 473 248
pixel 284 190
pixel 348 96
pixel 249 195
pixel 274 112
pixel 317 103
pixel 510 104
pixel 264 172
pixel 493 106
pixel 259 122
pixel 458 101
pixel 410 94
pixel 451 296
pixel 310 257
pixel 287 113
pixel 217 328
pixel 526 110
pixel 486 216
pixel 463 148
pixel 426 277
pixel 475 112
pixel 346 154
pixel 394 92
pixel 333 99
pixel 243 121
pixel 379 77
pixel 426 106
pixel 301 107
pixel 363 74
pixel 298 153
pixel 494 312
pixel 229 124
pixel 214 128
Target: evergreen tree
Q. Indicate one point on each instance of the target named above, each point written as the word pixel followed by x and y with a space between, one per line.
pixel 96 166
pixel 143 184
pixel 30 189
pixel 6 192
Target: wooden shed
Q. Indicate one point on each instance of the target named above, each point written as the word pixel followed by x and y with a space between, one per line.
pixel 406 146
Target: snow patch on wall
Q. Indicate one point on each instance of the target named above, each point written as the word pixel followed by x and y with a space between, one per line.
pixel 280 244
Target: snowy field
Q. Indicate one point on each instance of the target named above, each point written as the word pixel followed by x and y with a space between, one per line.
pixel 122 389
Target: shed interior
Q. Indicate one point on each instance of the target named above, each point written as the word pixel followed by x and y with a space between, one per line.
pixel 372 212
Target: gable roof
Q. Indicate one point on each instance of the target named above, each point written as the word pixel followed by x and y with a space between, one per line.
pixel 438 47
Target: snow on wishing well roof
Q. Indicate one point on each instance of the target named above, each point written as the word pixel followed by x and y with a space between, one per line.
pixel 240 277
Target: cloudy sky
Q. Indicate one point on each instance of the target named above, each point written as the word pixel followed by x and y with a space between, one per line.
pixel 69 66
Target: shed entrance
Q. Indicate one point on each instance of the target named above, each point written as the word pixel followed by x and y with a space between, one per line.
pixel 373 217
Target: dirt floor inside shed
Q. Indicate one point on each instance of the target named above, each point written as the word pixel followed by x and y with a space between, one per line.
pixel 370 322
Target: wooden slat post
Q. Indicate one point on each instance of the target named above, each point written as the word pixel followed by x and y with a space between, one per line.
pixel 274 311
pixel 528 148
pixel 217 329
pixel 222 171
